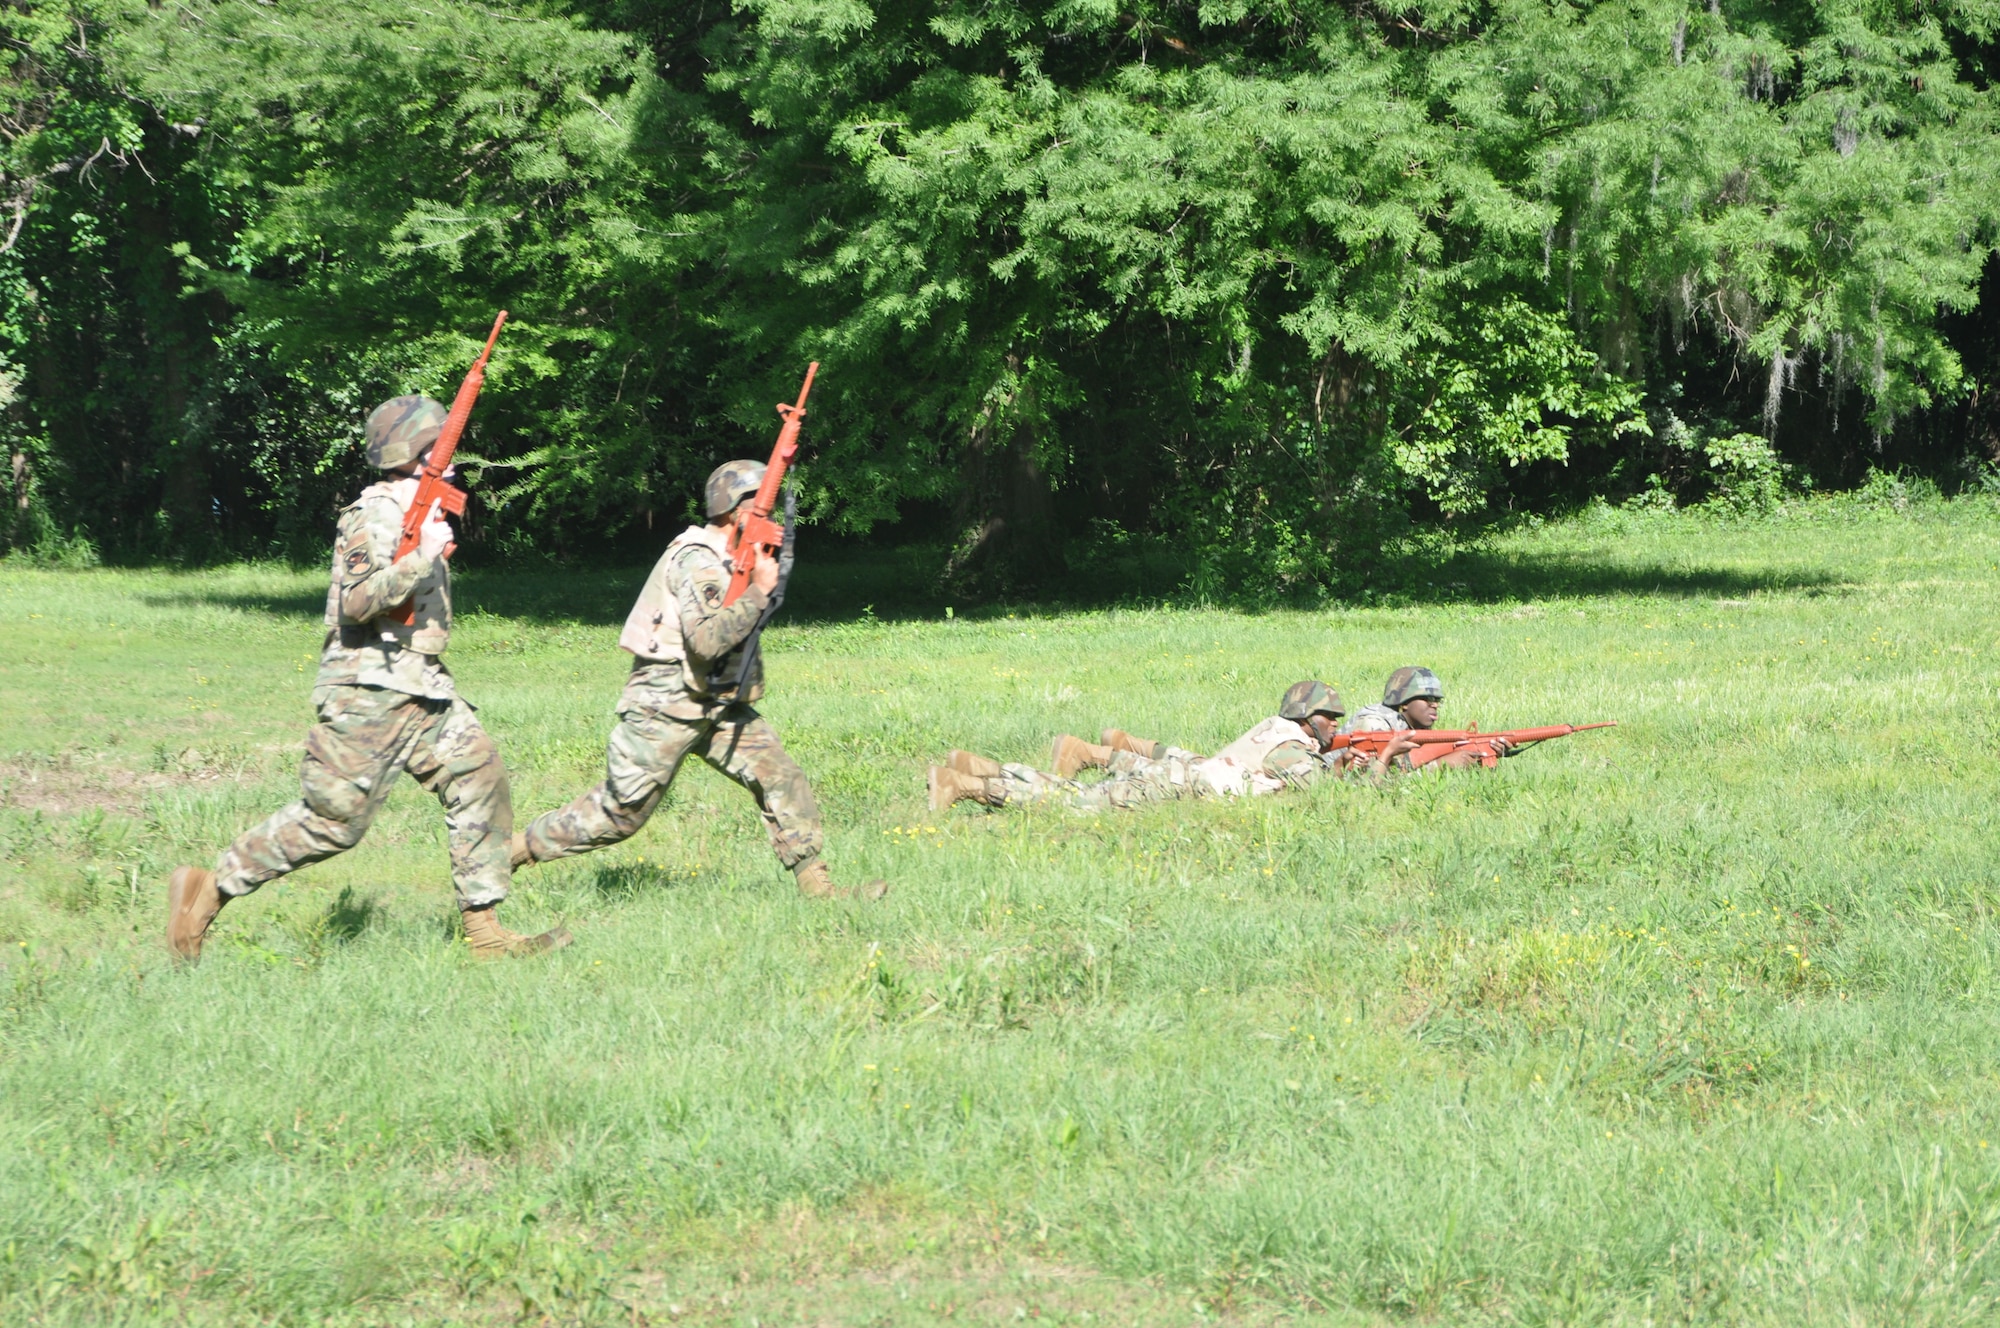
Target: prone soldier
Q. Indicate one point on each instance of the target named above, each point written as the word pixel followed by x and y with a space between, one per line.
pixel 682 699
pixel 386 703
pixel 1410 701
pixel 1287 750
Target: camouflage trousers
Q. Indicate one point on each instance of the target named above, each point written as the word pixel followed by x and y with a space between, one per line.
pixel 644 755
pixel 365 735
pixel 1133 780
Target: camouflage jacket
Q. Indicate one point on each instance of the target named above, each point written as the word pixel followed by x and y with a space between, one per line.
pixel 364 648
pixel 1375 719
pixel 681 634
pixel 1274 753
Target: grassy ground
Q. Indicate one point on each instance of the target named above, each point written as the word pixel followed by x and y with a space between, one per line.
pixel 1692 1020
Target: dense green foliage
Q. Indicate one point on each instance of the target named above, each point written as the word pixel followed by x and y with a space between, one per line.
pixel 1690 1021
pixel 1263 277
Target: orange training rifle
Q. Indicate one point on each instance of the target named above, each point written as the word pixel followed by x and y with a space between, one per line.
pixel 754 535
pixel 432 486
pixel 1436 744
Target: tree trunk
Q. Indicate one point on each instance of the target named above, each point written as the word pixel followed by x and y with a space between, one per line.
pixel 1008 541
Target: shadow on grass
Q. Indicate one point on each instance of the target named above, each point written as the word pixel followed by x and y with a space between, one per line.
pixel 618 882
pixel 347 917
pixel 1484 576
pixel 848 584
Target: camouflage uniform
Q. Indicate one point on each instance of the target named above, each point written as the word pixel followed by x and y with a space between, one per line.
pixel 1276 754
pixel 1406 684
pixel 681 700
pixel 1376 719
pixel 385 704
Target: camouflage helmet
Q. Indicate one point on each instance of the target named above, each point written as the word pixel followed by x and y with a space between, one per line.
pixel 401 428
pixel 730 483
pixel 1305 699
pixel 1411 683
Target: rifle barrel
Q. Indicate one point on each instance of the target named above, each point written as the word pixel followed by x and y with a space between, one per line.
pixel 1459 737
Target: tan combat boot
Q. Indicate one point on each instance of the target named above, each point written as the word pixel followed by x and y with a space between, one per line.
pixel 816 882
pixel 490 940
pixel 1118 740
pixel 948 786
pixel 518 855
pixel 192 903
pixel 970 763
pixel 1073 754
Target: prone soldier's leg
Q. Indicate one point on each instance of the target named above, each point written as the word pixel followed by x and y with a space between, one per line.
pixel 746 748
pixel 455 759
pixel 1142 781
pixel 352 758
pixel 1017 784
pixel 1146 748
pixel 641 760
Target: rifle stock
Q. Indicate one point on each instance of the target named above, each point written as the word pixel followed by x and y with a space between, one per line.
pixel 432 486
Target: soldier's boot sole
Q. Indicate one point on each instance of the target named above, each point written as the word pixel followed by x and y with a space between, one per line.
pixel 192 903
pixel 489 940
pixel 971 763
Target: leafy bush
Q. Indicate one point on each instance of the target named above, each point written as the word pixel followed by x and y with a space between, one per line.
pixel 1748 475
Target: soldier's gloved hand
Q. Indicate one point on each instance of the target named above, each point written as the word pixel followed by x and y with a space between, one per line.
pixel 434 536
pixel 764 576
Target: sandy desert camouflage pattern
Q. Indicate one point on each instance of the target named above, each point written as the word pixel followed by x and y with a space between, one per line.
pixel 364 737
pixel 668 713
pixel 401 428
pixel 1135 779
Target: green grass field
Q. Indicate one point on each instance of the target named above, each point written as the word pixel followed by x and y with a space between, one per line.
pixel 1693 1020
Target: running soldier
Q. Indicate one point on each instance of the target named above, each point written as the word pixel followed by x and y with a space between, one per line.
pixel 681 700
pixel 1288 750
pixel 385 703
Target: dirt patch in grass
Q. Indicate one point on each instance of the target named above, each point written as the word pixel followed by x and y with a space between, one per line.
pixel 889 1259
pixel 994 1291
pixel 71 788
pixel 71 792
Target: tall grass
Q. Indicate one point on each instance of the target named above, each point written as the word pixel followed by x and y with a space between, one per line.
pixel 1690 1020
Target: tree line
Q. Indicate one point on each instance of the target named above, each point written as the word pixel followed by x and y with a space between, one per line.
pixel 1273 279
